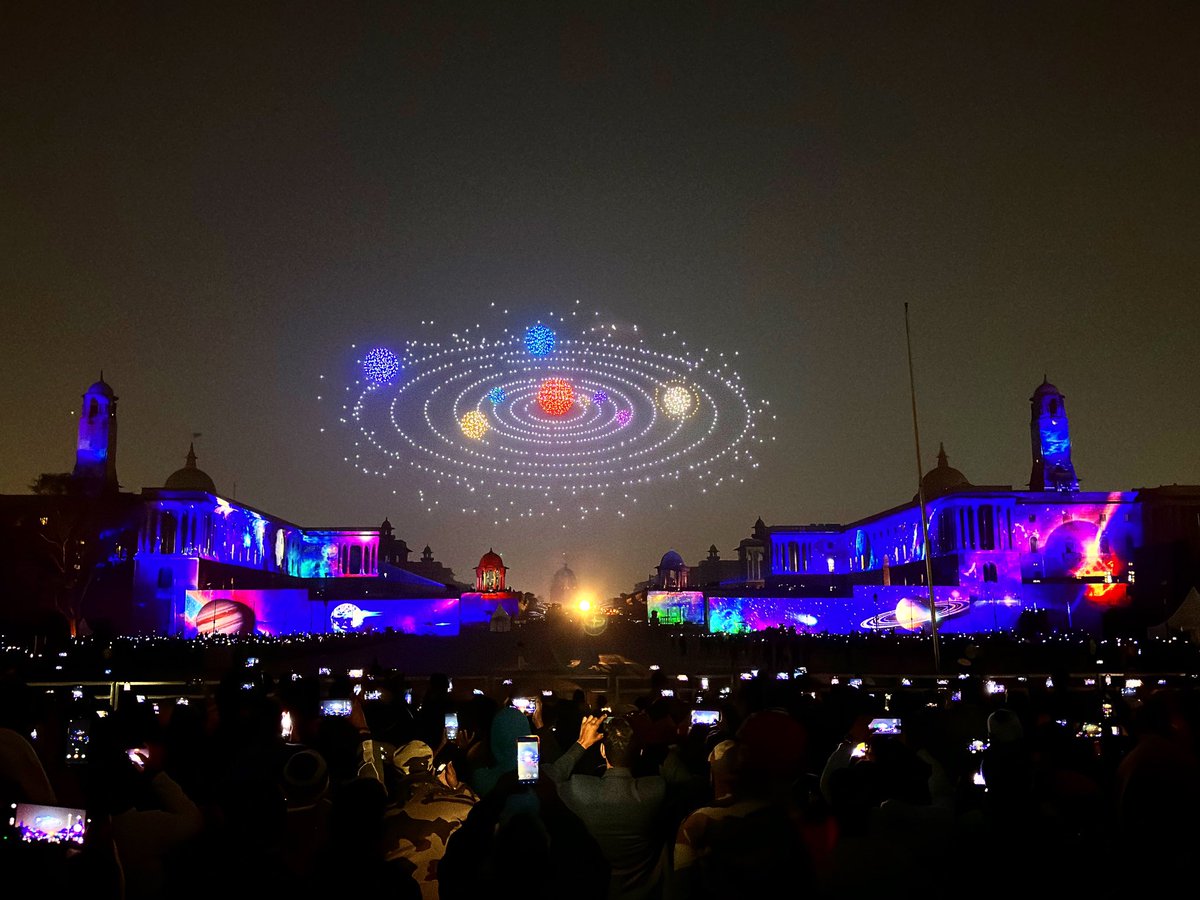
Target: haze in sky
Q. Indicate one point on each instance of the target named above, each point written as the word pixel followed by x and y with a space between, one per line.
pixel 219 205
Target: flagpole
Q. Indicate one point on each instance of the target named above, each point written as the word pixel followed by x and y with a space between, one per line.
pixel 912 385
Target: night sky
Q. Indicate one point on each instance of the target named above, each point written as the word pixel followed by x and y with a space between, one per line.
pixel 211 203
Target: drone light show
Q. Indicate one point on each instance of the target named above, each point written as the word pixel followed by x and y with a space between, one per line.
pixel 380 366
pixel 474 424
pixel 567 417
pixel 556 396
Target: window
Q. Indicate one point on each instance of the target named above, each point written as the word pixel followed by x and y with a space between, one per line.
pixel 1033 543
pixel 987 529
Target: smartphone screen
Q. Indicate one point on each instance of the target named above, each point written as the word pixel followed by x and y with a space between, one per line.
pixel 50 824
pixel 335 707
pixel 706 716
pixel 528 756
pixel 527 705
pixel 885 726
pixel 451 726
pixel 77 741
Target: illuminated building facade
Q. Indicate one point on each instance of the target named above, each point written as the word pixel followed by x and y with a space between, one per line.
pixel 182 559
pixel 1082 559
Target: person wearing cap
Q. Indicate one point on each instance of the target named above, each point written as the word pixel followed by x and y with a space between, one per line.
pixel 426 808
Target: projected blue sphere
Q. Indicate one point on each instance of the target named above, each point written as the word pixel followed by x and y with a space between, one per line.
pixel 380 366
pixel 599 397
pixel 539 340
pixel 496 395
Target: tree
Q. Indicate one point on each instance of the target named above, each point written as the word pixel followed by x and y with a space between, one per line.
pixel 53 484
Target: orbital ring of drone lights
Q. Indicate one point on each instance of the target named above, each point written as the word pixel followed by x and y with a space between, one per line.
pixel 550 419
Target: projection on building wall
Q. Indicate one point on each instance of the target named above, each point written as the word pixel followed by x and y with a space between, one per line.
pixel 476 609
pixel 279 612
pixel 676 607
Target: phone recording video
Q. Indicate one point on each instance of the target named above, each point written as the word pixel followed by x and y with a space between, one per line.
pixel 77 742
pixel 35 822
pixel 885 726
pixel 527 705
pixel 706 716
pixel 528 757
pixel 339 706
pixel 451 726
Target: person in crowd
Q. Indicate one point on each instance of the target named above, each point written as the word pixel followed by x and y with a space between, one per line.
pixel 521 840
pixel 430 716
pixel 506 726
pixel 745 842
pixel 427 807
pixel 1156 790
pixel 625 813
pixel 153 822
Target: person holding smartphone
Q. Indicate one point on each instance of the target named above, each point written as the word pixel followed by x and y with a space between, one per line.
pixel 622 811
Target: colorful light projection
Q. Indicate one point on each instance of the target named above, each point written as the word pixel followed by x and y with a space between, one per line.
pixel 1084 542
pixel 556 396
pixel 1052 466
pixel 539 340
pixel 870 608
pixel 557 459
pixel 287 611
pixel 675 607
pixel 337 553
pixel 476 608
pixel 497 395
pixel 380 366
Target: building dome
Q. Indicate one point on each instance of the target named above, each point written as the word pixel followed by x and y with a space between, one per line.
pixel 563 585
pixel 102 387
pixel 943 479
pixel 671 560
pixel 1045 388
pixel 189 478
pixel 490 561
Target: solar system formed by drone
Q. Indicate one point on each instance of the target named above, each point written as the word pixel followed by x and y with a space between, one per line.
pixel 550 418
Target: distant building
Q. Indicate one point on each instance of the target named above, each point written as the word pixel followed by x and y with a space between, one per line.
pixel 1095 560
pixel 183 558
pixel 563 586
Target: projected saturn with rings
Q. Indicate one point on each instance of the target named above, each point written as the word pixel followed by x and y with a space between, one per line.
pixel 550 417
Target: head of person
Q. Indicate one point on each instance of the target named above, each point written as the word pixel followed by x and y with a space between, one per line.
pixel 619 745
pixel 305 779
pixel 413 761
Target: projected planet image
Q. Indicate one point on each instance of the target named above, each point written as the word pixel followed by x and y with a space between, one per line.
pixel 912 614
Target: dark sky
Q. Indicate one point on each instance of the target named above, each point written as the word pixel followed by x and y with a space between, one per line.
pixel 212 202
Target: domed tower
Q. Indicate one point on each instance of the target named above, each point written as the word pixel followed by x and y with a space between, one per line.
pixel 96 447
pixel 189 478
pixel 672 572
pixel 1050 436
pixel 943 478
pixel 563 586
pixel 489 574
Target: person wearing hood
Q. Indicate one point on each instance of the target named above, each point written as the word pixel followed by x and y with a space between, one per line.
pixel 508 724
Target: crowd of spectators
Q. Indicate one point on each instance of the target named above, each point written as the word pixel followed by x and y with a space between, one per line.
pixel 251 788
